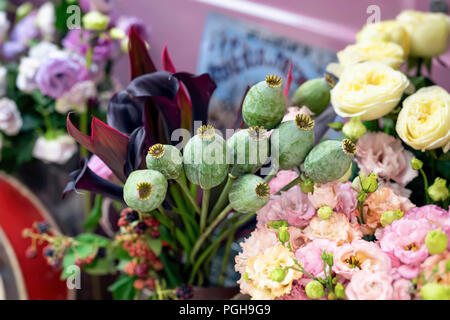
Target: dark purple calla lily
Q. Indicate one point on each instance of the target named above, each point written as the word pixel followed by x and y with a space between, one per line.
pixel 86 179
pixel 124 113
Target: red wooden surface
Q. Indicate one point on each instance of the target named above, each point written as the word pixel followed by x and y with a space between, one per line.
pixel 18 210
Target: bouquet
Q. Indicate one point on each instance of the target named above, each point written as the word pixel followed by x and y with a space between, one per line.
pixel 335 218
pixel 50 67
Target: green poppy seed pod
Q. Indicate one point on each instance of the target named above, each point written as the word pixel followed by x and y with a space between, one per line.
pixel 166 159
pixel 329 160
pixel 265 104
pixel 295 140
pixel 145 190
pixel 314 94
pixel 205 158
pixel 249 193
pixel 248 150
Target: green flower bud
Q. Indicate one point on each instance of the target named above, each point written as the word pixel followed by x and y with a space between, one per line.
pixel 370 184
pixel 330 260
pixel 339 291
pixel 249 193
pixel 438 191
pixel 331 296
pixel 447 266
pixel 354 129
pixel 265 103
pixel 245 276
pixel 337 126
pixel 435 291
pixel 325 212
pixel 23 10
pixel 292 141
pixel 315 94
pixel 314 290
pixel 205 157
pixel 436 241
pixel 117 34
pixel 389 216
pixel 307 186
pixel 95 21
pixel 329 160
pixel 278 275
pixel 145 190
pixel 362 196
pixel 416 164
pixel 166 159
pixel 278 224
pixel 357 182
pixel 283 235
pixel 248 150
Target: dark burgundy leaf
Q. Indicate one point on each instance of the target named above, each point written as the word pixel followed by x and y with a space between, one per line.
pixel 86 179
pixel 288 81
pixel 238 121
pixel 200 89
pixel 106 142
pixel 124 113
pixel 136 151
pixel 140 61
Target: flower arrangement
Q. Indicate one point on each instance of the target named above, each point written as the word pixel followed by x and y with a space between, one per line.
pixel 335 218
pixel 49 68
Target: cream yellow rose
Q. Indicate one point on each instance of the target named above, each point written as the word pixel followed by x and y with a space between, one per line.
pixel 428 32
pixel 388 53
pixel 369 90
pixel 424 121
pixel 385 31
pixel 259 273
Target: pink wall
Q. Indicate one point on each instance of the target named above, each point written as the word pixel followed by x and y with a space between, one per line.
pixel 325 23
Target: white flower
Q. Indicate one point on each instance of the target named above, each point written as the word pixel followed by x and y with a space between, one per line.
pixel 76 98
pixel 4 25
pixel 29 66
pixel 58 150
pixel 10 119
pixel 3 80
pixel 46 20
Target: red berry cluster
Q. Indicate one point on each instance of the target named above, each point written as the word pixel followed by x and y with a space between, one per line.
pixel 134 230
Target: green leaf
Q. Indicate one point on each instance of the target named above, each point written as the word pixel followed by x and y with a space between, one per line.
pixel 90 238
pixel 69 260
pixel 101 266
pixel 421 82
pixel 95 215
pixel 171 269
pixel 155 245
pixel 123 288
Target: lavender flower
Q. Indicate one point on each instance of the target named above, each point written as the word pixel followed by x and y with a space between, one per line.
pixel 57 76
pixel 77 41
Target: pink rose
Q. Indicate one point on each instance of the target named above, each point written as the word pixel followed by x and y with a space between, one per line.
pixel 435 215
pixel 403 241
pixel 282 178
pixel 292 205
pixel 401 290
pixel 310 256
pixel 351 258
pixel 370 286
pixel 385 156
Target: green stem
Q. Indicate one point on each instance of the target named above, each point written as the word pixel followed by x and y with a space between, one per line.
pixel 210 248
pixel 419 67
pixel 223 198
pixel 204 212
pixel 188 194
pixel 226 257
pixel 361 211
pixel 211 227
pixel 291 184
pixel 425 183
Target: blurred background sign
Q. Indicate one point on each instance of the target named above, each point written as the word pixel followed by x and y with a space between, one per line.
pixel 238 54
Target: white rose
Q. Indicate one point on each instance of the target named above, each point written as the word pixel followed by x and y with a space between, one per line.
pixel 58 150
pixel 428 32
pixel 3 80
pixel 368 90
pixel 45 20
pixel 10 119
pixel 4 25
pixel 76 98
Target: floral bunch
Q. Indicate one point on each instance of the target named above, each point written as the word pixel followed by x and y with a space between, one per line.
pixel 381 231
pixel 50 66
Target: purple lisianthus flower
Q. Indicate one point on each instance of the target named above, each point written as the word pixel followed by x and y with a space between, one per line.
pixel 57 76
pixel 77 41
pixel 23 32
